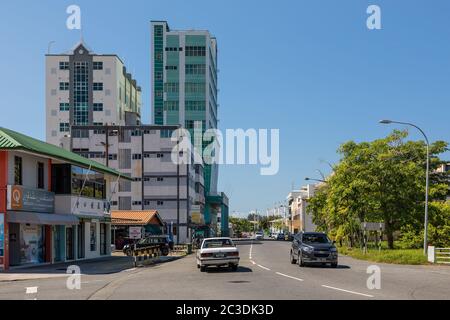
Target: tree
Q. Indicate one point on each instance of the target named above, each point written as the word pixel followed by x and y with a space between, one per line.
pixel 378 181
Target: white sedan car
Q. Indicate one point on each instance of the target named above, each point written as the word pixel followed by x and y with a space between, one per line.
pixel 217 252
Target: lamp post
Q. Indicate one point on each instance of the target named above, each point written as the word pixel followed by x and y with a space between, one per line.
pixel 311 179
pixel 425 235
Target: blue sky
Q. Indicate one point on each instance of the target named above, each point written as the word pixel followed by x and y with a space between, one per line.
pixel 310 68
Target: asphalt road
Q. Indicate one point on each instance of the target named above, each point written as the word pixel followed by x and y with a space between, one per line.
pixel 264 273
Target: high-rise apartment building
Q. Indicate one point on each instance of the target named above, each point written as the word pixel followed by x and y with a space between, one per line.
pixel 85 88
pixel 184 92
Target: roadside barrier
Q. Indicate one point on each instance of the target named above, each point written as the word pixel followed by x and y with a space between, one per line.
pixel 438 255
pixel 146 253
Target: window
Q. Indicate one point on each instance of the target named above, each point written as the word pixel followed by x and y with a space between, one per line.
pixel 63 65
pixel 137 203
pixel 171 67
pixel 195 105
pixel 64 86
pixel 158 75
pixel 98 65
pixel 160 155
pixel 18 171
pixel 158 31
pixel 197 69
pixel 171 87
pixel 193 87
pixel 64 127
pixel 171 105
pixel 64 106
pixel 160 179
pixel 40 175
pixel 173 49
pixel 98 106
pixel 160 203
pixel 98 86
pixel 112 156
pixel 166 133
pixel 81 93
pixel 137 156
pixel 195 51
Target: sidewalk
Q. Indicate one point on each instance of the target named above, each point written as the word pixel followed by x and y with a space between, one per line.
pixel 115 263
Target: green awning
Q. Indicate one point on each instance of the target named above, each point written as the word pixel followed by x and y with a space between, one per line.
pixel 12 140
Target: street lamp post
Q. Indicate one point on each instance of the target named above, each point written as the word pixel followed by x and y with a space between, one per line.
pixel 425 235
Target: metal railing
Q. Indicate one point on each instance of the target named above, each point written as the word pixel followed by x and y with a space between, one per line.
pixel 442 255
pixel 438 255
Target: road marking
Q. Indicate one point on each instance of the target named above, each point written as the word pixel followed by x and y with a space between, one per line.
pixel 348 291
pixel 262 267
pixel 287 276
pixel 251 249
pixel 253 262
pixel 31 290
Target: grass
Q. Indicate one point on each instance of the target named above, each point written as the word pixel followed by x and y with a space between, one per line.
pixel 395 256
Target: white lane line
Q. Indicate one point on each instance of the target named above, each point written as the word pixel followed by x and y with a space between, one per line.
pixel 31 290
pixel 287 276
pixel 251 249
pixel 262 267
pixel 253 262
pixel 348 291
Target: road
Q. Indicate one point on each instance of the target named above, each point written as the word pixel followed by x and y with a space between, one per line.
pixel 264 273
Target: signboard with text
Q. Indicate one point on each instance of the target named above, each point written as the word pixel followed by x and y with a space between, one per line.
pixel 27 199
pixel 135 232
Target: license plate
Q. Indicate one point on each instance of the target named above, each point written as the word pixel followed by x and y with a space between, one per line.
pixel 219 255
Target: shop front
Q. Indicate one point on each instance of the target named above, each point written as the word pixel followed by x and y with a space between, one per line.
pixel 31 225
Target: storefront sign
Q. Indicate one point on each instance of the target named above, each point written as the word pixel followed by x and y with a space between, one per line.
pixel 135 232
pixel 28 199
pixel 2 237
pixel 196 215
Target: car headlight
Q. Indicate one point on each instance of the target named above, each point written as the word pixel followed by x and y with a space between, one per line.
pixel 308 249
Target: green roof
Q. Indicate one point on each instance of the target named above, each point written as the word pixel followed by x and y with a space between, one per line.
pixel 12 140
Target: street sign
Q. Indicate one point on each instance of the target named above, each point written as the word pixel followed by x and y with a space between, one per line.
pixel 372 226
pixel 135 232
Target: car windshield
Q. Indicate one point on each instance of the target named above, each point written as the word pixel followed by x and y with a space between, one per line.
pixel 217 243
pixel 315 238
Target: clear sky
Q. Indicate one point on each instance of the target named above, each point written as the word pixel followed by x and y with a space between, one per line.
pixel 310 68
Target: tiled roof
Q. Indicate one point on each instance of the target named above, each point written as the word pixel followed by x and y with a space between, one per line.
pixel 134 217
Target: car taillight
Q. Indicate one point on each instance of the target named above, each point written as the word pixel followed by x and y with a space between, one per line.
pixel 233 254
pixel 204 255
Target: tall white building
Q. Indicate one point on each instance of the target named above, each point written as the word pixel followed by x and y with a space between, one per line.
pixel 85 88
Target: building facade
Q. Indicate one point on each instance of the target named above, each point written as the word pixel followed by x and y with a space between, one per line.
pixel 185 92
pixel 144 153
pixel 46 216
pixel 85 88
pixel 301 219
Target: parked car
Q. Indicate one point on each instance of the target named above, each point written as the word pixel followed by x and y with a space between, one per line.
pixel 280 236
pixel 259 235
pixel 217 252
pixel 163 241
pixel 313 247
pixel 288 236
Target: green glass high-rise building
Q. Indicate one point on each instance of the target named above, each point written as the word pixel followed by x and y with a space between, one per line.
pixel 184 92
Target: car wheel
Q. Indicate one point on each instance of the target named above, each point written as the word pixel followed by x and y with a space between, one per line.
pixel 165 251
pixel 128 252
pixel 202 268
pixel 234 267
pixel 300 260
pixel 293 261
